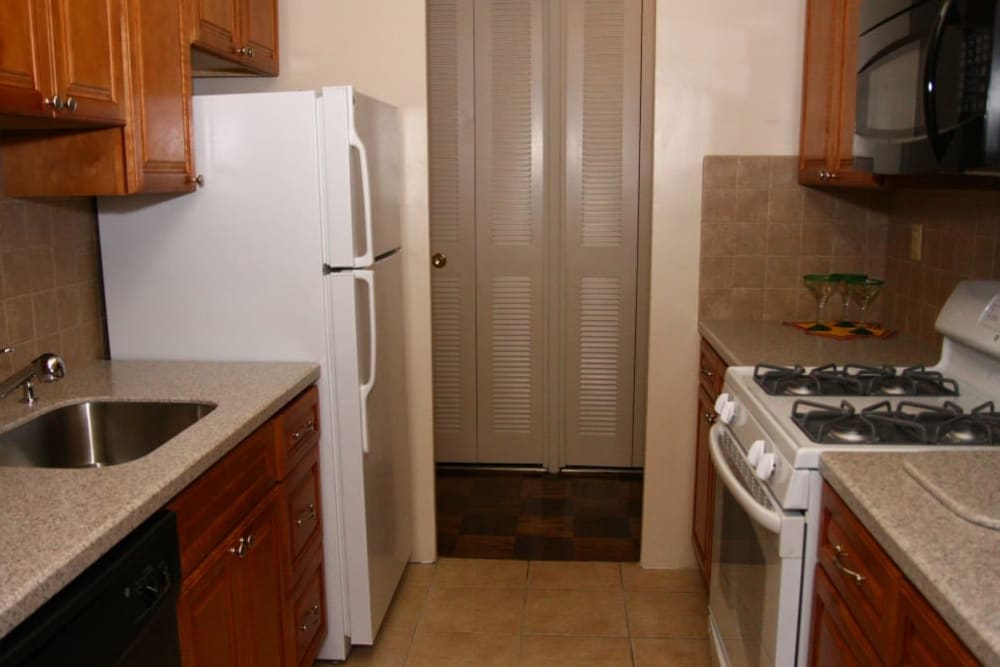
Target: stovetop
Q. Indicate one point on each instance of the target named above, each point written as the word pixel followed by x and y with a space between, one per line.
pixel 853 380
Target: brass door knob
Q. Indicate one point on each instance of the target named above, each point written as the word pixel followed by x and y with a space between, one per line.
pixel 438 260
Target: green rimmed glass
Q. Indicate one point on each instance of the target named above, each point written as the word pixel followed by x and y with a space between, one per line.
pixel 863 292
pixel 841 280
pixel 822 286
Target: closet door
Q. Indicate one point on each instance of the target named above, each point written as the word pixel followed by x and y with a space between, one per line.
pixel 453 227
pixel 601 208
pixel 510 251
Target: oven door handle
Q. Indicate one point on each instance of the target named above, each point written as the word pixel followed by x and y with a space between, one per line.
pixel 769 519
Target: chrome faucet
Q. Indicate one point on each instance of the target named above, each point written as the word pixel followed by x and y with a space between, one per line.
pixel 49 367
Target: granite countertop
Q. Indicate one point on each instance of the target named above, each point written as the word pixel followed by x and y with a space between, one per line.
pixel 56 522
pixel 954 562
pixel 750 342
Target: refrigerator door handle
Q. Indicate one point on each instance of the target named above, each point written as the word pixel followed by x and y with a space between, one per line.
pixel 368 276
pixel 368 258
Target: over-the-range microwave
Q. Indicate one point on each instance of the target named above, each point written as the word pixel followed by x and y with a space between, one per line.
pixel 928 87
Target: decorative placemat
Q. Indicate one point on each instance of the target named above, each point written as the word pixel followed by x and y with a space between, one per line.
pixel 844 330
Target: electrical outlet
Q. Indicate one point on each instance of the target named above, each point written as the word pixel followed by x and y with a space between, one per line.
pixel 916 242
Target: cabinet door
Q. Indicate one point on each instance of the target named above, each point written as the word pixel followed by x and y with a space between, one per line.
pixel 836 639
pixel 215 25
pixel 87 47
pixel 258 579
pixel 925 640
pixel 206 615
pixel 704 487
pixel 259 34
pixel 24 59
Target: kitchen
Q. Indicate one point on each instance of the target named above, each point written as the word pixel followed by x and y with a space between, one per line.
pixel 728 83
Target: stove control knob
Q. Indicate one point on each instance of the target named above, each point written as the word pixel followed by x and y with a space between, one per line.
pixel 756 450
pixel 726 407
pixel 766 465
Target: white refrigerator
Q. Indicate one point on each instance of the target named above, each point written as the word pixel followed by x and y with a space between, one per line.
pixel 290 251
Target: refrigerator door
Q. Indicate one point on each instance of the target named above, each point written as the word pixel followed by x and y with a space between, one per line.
pixel 368 335
pixel 361 148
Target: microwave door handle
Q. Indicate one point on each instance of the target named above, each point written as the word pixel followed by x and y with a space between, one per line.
pixel 766 518
pixel 929 85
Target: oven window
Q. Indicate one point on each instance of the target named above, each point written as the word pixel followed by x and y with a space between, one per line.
pixel 744 592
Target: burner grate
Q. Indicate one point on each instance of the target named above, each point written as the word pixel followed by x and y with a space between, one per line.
pixel 852 380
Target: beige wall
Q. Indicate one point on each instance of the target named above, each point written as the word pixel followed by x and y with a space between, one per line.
pixel 728 80
pixel 378 47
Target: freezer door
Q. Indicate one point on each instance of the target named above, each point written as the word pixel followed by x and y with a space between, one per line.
pixel 366 310
pixel 362 149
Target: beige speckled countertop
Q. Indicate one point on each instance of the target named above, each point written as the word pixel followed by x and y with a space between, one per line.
pixel 746 343
pixel 953 562
pixel 54 523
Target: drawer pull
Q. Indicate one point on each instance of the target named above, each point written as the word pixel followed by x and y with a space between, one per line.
pixel 707 373
pixel 241 549
pixel 710 418
pixel 309 427
pixel 308 515
pixel 312 614
pixel 838 553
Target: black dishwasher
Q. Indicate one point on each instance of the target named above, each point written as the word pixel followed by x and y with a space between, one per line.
pixel 120 612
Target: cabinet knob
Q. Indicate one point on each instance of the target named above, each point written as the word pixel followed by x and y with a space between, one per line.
pixel 710 418
pixel 71 103
pixel 243 546
pixel 55 102
pixel 707 373
pixel 249 52
pixel 308 515
pixel 439 261
pixel 198 180
pixel 244 51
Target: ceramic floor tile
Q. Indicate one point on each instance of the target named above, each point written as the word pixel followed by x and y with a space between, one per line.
pixel 418 574
pixel 541 651
pixel 576 576
pixel 580 613
pixel 404 612
pixel 463 649
pixel 498 610
pixel 671 652
pixel 677 615
pixel 474 573
pixel 637 578
pixel 386 652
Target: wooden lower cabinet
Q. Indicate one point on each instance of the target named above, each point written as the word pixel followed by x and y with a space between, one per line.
pixel 711 372
pixel 252 553
pixel 864 610
pixel 230 608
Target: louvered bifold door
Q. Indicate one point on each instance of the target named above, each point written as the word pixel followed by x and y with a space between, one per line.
pixel 509 239
pixel 452 227
pixel 602 70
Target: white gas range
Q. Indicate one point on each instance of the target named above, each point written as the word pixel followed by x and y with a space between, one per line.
pixel 774 422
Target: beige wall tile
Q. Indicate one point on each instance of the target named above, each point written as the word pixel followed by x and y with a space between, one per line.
pixel 719 172
pixel 576 651
pixel 578 613
pixel 817 238
pixel 749 239
pixel 752 205
pixel 785 206
pixel 748 271
pixel 753 172
pixel 578 576
pixel 784 171
pixel 783 239
pixel 782 271
pixel 779 304
pixel 717 272
pixel 717 239
pixel 718 206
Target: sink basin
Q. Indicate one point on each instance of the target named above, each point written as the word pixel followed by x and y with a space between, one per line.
pixel 93 434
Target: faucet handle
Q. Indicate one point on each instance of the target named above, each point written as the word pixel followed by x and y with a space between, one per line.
pixel 51 367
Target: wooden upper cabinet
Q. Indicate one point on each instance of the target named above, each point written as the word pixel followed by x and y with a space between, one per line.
pixel 150 153
pixel 235 36
pixel 828 95
pixel 61 61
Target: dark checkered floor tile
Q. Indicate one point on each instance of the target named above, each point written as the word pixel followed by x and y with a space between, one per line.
pixel 487 514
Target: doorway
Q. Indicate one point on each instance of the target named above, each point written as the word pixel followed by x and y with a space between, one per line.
pixel 539 125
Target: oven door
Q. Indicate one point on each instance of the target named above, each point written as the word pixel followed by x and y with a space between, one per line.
pixel 924 78
pixel 756 564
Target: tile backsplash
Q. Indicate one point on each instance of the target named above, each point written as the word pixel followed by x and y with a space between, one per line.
pixel 50 285
pixel 761 232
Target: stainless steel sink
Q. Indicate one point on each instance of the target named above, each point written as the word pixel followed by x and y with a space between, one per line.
pixel 96 433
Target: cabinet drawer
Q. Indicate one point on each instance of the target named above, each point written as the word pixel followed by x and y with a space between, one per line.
pixel 309 613
pixel 711 370
pixel 298 430
pixel 302 494
pixel 214 503
pixel 836 638
pixel 859 569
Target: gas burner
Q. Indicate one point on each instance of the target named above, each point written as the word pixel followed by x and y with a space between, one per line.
pixel 908 423
pixel 852 380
